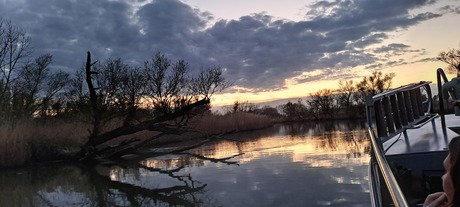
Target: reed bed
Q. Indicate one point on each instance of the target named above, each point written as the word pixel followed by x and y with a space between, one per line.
pixel 30 140
pixel 239 121
pixel 42 140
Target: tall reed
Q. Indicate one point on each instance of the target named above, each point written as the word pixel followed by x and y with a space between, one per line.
pixel 32 140
pixel 40 140
pixel 238 121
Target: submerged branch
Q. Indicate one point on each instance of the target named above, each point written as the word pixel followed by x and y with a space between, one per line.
pixel 171 195
pixel 215 160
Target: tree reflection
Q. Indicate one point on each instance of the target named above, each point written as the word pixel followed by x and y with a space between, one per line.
pixel 335 135
pixel 345 137
pixel 111 192
pixel 318 128
pixel 184 192
pixel 165 180
pixel 354 143
pixel 105 185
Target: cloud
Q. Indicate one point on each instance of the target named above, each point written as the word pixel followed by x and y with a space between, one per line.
pixel 259 52
pixel 426 60
pixel 392 47
pixel 450 9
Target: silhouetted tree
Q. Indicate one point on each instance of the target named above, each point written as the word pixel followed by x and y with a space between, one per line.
pixel 174 97
pixel 376 83
pixel 35 86
pixel 269 111
pixel 133 87
pixel 345 95
pixel 371 85
pixel 26 87
pixel 322 102
pixel 245 106
pixel 166 83
pixel 295 111
pixel 207 82
pixel 14 44
pixel 120 88
pixel 452 58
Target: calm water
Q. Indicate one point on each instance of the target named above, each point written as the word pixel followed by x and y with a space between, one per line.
pixel 287 165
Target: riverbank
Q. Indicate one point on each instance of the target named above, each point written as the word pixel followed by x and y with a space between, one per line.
pixel 31 141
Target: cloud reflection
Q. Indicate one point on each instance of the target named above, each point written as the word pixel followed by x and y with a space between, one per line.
pixel 295 165
pixel 308 169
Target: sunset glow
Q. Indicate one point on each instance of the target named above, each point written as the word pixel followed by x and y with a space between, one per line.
pixel 268 49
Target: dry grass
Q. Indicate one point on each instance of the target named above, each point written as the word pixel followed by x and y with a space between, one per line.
pixel 240 121
pixel 29 140
pixel 209 124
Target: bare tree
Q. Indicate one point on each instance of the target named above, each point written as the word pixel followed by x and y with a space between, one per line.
pixel 295 111
pixel 119 88
pixel 133 87
pixel 75 98
pixel 166 82
pixel 167 87
pixel 345 95
pixel 269 111
pixel 376 83
pixel 34 87
pixel 452 58
pixel 13 49
pixel 239 106
pixel 323 102
pixel 208 82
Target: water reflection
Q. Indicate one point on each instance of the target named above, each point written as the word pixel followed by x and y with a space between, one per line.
pixel 82 186
pixel 287 165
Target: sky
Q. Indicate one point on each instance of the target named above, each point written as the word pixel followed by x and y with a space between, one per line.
pixel 268 49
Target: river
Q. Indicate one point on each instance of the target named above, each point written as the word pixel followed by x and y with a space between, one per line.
pixel 285 165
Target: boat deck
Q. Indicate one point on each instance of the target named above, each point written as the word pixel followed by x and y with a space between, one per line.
pixel 430 137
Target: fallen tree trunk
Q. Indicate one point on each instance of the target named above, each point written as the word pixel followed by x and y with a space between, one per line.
pixel 165 123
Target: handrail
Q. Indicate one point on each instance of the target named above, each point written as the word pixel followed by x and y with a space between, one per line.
pixel 375 198
pixel 399 109
pixel 390 180
pixel 407 87
pixel 388 109
pixel 394 111
pixel 440 74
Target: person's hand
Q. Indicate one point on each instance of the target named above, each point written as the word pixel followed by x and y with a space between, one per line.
pixel 435 200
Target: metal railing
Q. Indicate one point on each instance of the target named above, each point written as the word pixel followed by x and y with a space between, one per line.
pixel 393 112
pixel 442 78
pixel 392 184
pixel 396 110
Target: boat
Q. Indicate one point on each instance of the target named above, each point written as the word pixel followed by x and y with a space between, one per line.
pixel 409 143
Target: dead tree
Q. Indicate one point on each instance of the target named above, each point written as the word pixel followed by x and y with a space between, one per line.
pixel 94 104
pixel 171 119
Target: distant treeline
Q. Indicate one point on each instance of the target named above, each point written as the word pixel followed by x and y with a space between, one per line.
pixel 348 101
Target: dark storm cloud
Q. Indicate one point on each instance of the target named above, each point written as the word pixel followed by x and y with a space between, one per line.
pixel 171 27
pixel 258 51
pixel 67 29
